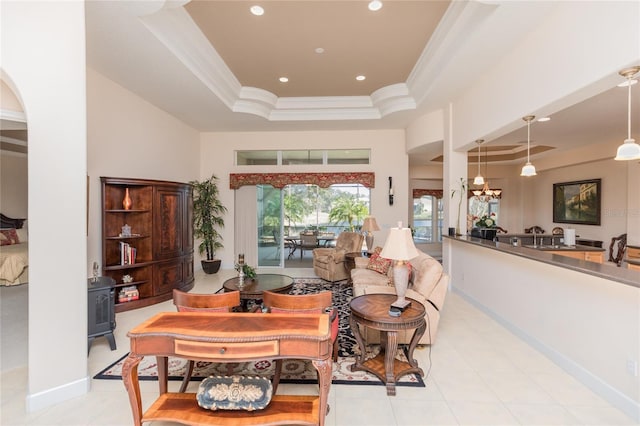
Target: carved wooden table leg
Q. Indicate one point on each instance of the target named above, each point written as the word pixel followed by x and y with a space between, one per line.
pixel 163 367
pixel 324 381
pixel 131 384
pixel 390 349
pixel 363 349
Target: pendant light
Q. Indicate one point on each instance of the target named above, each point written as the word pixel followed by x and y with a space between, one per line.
pixel 478 180
pixel 528 169
pixel 629 150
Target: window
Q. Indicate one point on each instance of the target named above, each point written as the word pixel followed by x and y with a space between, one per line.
pixel 302 156
pixel 427 219
pixel 335 209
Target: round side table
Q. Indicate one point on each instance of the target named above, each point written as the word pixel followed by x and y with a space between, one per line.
pixel 372 310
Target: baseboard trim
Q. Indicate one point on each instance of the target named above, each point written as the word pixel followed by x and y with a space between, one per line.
pixel 616 398
pixel 47 398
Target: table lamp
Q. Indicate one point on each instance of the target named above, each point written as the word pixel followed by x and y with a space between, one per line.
pixel 399 247
pixel 369 225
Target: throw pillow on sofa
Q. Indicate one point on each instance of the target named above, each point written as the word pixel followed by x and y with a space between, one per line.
pixel 378 263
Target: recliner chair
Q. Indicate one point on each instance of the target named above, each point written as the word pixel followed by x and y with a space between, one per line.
pixel 328 262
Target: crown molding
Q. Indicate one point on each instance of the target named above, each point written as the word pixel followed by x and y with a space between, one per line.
pixel 178 32
pixel 10 115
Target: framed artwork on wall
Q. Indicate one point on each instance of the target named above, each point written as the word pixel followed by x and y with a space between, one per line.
pixel 577 202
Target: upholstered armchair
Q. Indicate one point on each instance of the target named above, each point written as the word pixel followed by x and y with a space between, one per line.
pixel 328 262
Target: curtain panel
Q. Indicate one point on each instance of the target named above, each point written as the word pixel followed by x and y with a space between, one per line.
pixel 280 180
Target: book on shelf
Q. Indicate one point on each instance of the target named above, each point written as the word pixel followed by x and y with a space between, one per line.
pixel 129 293
pixel 127 254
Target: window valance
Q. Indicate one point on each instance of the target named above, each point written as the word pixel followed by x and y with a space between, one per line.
pixel 417 193
pixel 280 180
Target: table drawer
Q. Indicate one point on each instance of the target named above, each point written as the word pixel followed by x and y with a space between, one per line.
pixel 229 351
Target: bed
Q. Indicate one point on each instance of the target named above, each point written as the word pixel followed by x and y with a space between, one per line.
pixel 14 252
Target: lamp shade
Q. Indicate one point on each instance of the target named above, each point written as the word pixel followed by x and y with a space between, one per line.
pixel 370 224
pixel 629 150
pixel 399 245
pixel 478 180
pixel 528 170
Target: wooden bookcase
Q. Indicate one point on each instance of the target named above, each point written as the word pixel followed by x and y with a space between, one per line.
pixel 161 221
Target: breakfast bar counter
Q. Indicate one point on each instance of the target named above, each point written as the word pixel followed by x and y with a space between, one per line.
pixel 547 254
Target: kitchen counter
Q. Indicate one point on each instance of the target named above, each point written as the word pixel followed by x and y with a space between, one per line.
pixel 605 270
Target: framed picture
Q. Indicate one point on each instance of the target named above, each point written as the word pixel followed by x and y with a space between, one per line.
pixel 577 202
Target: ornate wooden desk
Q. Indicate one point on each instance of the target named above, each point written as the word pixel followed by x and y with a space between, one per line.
pixel 230 337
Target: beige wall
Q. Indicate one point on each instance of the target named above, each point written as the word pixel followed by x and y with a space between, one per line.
pixel 13 184
pixel 129 137
pixel 388 158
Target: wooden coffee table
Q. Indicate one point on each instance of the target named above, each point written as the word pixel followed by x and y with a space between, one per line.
pixel 372 310
pixel 253 288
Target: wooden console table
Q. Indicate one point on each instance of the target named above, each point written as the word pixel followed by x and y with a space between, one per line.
pixel 230 337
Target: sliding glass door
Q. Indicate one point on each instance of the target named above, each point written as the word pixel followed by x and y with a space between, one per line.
pixel 270 245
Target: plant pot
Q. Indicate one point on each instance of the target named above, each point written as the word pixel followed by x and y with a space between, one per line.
pixel 211 266
pixel 484 233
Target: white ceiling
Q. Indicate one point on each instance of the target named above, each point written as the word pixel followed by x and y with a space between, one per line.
pixel 416 55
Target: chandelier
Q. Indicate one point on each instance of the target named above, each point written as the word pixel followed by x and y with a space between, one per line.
pixel 486 193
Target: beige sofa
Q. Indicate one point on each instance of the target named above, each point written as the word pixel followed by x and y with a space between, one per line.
pixel 429 287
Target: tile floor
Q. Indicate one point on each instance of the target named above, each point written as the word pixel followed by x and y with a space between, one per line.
pixel 478 374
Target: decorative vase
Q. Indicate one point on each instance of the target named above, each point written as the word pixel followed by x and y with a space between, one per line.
pixel 126 203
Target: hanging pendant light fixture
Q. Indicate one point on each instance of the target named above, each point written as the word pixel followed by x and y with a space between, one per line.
pixel 486 193
pixel 629 150
pixel 528 169
pixel 478 180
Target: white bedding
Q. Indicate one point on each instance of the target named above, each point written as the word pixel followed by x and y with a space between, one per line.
pixel 14 262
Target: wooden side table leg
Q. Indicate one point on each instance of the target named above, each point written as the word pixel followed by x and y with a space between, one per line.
pixel 132 385
pixel 389 358
pixel 417 335
pixel 363 350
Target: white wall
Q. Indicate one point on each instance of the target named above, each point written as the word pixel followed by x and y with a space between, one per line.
pixel 42 43
pixel 587 325
pixel 388 158
pixel 129 137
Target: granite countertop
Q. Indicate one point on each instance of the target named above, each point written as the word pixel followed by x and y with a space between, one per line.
pixel 561 247
pixel 605 270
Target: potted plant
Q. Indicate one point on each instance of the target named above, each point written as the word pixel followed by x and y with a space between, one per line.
pixel 208 218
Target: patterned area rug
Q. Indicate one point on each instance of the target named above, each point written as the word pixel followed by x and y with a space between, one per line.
pixel 293 371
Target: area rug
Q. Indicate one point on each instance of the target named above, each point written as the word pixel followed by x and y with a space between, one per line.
pixel 293 371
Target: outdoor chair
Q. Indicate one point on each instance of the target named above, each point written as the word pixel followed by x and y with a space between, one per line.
pixel 307 242
pixel 192 302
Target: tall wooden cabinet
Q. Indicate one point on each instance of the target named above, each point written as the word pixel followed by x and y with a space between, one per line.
pixel 147 248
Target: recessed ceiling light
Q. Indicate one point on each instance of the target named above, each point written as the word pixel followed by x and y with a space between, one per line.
pixel 360 77
pixel 283 79
pixel 319 50
pixel 544 118
pixel 375 5
pixel 257 10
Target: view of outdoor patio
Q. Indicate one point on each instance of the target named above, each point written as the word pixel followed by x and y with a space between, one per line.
pixel 299 209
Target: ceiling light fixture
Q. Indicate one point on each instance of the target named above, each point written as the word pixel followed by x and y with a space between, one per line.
pixel 629 150
pixel 486 193
pixel 257 10
pixel 361 78
pixel 528 169
pixel 283 79
pixel 478 180
pixel 375 5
